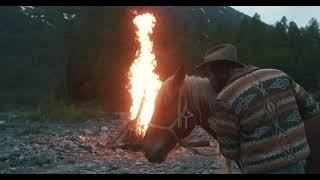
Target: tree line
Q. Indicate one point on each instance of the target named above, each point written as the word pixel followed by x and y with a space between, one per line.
pixel 87 59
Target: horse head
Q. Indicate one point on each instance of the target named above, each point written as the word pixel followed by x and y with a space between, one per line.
pixel 173 118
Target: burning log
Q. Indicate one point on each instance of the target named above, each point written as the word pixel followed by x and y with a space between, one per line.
pixel 143 82
pixel 131 135
pixel 130 138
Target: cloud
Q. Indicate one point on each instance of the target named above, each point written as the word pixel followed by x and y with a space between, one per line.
pixel 271 14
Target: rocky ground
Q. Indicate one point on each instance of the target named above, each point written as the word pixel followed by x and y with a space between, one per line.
pixel 33 147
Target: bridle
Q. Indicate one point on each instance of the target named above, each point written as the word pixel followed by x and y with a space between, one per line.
pixel 185 115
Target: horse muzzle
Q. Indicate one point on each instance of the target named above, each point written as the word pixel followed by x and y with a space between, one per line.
pixel 157 159
pixel 155 156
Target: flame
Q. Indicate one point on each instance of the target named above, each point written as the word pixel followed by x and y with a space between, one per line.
pixel 143 80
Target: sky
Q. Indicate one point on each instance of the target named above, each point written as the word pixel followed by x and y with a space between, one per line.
pixel 271 14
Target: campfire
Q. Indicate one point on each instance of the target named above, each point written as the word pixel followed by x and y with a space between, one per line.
pixel 144 83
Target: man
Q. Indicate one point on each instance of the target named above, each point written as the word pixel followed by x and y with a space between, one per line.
pixel 260 114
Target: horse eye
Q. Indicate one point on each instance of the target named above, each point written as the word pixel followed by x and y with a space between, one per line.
pixel 187 114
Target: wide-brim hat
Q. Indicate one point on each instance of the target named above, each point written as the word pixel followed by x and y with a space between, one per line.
pixel 225 53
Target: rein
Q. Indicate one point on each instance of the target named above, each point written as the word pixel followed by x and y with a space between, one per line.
pixel 185 114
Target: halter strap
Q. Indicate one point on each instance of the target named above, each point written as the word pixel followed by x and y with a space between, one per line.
pixel 170 129
pixel 186 114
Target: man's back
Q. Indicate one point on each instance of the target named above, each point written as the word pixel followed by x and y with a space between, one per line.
pixel 260 120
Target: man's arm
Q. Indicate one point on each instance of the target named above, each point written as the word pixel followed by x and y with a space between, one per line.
pixel 308 105
pixel 227 130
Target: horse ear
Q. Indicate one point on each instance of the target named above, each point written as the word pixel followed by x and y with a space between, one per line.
pixel 179 76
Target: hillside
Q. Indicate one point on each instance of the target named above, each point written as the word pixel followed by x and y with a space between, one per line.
pixel 35 40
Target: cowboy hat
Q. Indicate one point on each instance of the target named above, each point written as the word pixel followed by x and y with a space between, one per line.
pixel 225 53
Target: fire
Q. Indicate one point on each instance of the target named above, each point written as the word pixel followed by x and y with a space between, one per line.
pixel 143 80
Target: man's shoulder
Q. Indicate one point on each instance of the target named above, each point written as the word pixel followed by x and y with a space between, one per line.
pixel 272 70
pixel 239 85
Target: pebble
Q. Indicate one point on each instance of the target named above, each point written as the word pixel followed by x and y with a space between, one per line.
pixel 2 122
pixel 104 128
pixel 87 131
pixel 114 167
pixel 73 146
pixel 177 169
pixel 104 168
pixel 99 145
pixel 82 138
pixel 46 165
pixel 3 158
pixel 86 147
pixel 205 172
pixel 123 171
pixel 90 165
pixel 119 151
pixel 214 166
pixel 3 165
pixel 85 172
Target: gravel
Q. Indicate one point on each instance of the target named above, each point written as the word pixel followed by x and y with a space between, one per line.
pixel 80 148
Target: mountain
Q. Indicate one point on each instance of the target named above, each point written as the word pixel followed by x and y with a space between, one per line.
pixel 38 41
pixel 213 15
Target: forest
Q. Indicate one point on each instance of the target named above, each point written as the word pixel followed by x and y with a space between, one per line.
pixel 78 55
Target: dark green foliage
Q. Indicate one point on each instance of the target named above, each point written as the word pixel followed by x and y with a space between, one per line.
pixel 87 59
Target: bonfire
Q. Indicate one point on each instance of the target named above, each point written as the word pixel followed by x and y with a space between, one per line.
pixel 144 83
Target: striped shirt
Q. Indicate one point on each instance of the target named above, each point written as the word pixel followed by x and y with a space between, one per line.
pixel 259 120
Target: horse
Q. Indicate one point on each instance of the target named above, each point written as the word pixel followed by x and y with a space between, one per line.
pixel 181 103
pixel 186 101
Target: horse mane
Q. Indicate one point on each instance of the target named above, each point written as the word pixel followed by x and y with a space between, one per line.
pixel 199 94
pixel 197 91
